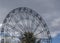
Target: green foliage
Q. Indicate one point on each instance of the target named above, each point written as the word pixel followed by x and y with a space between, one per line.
pixel 29 38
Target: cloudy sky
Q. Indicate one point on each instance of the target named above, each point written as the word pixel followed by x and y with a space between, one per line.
pixel 48 9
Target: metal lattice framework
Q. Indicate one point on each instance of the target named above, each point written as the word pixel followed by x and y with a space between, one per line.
pixel 24 20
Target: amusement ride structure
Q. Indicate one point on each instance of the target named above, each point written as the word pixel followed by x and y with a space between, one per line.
pixel 24 25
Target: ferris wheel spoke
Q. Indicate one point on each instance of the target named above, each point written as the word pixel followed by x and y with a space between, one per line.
pixel 29 26
pixel 21 27
pixel 13 27
pixel 17 30
pixel 36 28
pixel 16 19
pixel 18 25
pixel 41 38
pixel 15 22
pixel 25 27
pixel 40 32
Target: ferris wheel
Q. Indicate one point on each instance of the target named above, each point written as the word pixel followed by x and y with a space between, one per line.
pixel 24 25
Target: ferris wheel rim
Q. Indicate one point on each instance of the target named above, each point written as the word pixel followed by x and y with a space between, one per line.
pixel 27 8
